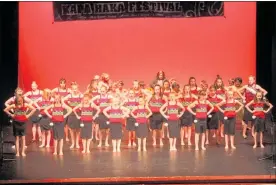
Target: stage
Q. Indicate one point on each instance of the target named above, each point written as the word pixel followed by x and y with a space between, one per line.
pixel 158 164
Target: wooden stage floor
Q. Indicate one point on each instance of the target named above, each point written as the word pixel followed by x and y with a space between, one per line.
pixel 158 164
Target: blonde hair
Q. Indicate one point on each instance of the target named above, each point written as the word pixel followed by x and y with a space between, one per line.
pixel 46 94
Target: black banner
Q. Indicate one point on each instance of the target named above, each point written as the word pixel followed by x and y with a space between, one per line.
pixel 71 11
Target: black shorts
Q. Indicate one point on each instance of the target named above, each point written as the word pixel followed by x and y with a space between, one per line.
pixel 142 130
pixel 86 130
pixel 200 126
pixel 35 117
pixel 44 123
pixel 213 122
pixel 186 119
pixel 73 122
pixel 130 124
pixel 259 124
pixel 102 121
pixel 174 128
pixel 19 128
pixel 230 126
pixel 116 131
pixel 156 121
pixel 58 130
pixel 247 116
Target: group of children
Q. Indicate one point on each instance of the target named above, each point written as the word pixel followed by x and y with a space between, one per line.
pixel 103 110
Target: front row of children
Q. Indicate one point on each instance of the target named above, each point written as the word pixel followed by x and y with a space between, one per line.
pixel 202 110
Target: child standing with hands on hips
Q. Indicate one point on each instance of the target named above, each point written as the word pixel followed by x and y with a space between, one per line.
pixel 85 114
pixel 201 105
pixel 116 113
pixel 258 113
pixel 20 117
pixel 58 118
pixel 173 114
pixel 141 113
pixel 229 113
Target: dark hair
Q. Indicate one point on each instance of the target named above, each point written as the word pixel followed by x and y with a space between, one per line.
pixel 120 83
pixel 212 87
pixel 238 79
pixel 62 80
pixel 192 78
pixel 215 84
pixel 167 82
pixel 161 94
pixel 163 73
pixel 231 81
pixel 141 84
pixel 202 93
pixel 175 85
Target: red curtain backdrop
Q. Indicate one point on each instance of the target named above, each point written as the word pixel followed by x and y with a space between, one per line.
pixel 130 49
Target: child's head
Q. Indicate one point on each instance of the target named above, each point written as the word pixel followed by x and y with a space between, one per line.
pixel 204 85
pixel 19 100
pixel 131 93
pixel 186 89
pixel 34 86
pixel 103 89
pixel 172 97
pixel 18 91
pixel 114 86
pixel 259 96
pixel 251 80
pixel 115 101
pixel 238 82
pixel 230 94
pixel 57 98
pixel 62 83
pixel 74 87
pixel 86 98
pixel 120 84
pixel 218 82
pixel 202 95
pixel 141 100
pixel 212 90
pixel 166 84
pixel 157 90
pixel 135 84
pixel 192 81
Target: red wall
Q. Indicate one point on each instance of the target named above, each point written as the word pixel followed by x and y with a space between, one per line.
pixel 131 49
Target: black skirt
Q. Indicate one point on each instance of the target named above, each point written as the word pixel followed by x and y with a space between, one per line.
pixel 230 126
pixel 58 130
pixel 174 128
pixel 201 126
pixel 187 119
pixel 259 125
pixel 142 130
pixel 35 117
pixel 213 122
pixel 156 121
pixel 116 131
pixel 86 130
pixel 102 121
pixel 19 128
pixel 45 123
pixel 130 124
pixel 73 121
pixel 221 117
pixel 247 116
